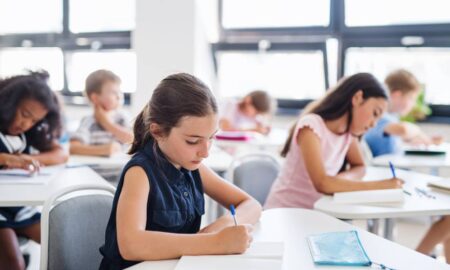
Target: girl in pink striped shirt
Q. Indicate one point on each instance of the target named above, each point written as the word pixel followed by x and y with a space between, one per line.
pixel 324 138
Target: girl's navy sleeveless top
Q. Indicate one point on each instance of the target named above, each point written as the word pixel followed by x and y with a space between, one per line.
pixel 175 202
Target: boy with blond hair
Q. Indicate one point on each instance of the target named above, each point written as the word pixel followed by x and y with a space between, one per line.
pixel 105 131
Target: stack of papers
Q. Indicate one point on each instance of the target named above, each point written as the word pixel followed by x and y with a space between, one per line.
pixel 370 196
pixel 260 255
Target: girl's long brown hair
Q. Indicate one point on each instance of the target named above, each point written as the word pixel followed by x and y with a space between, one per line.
pixel 175 97
pixel 338 101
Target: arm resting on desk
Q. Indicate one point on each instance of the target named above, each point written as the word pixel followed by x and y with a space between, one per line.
pixel 309 144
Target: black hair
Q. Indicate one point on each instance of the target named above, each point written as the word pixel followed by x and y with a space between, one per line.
pixel 338 101
pixel 32 86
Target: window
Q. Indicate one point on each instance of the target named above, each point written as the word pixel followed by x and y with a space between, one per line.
pixel 81 64
pixel 15 61
pixel 430 65
pixel 275 13
pixel 101 15
pixel 24 16
pixel 398 12
pixel 284 74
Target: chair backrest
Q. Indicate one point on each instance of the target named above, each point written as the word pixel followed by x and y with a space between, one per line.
pixel 254 173
pixel 74 229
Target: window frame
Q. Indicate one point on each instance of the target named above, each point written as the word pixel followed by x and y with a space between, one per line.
pixel 434 35
pixel 67 42
pixel 274 47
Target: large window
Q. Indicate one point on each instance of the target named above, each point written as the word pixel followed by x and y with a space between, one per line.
pixel 398 12
pixel 275 13
pixel 15 61
pixel 25 16
pixel 284 74
pixel 430 65
pixel 101 15
pixel 69 39
pixel 123 63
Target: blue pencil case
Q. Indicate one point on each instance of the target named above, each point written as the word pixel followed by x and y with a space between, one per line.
pixel 338 248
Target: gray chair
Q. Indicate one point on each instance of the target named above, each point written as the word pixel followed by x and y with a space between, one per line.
pixel 73 229
pixel 254 173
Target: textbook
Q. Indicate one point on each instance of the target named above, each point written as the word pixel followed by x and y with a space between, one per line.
pixel 260 255
pixel 379 196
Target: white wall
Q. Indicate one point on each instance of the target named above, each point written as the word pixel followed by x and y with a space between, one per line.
pixel 168 38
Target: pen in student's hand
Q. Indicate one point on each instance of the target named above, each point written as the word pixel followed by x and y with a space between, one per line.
pixel 233 213
pixel 395 176
pixel 392 169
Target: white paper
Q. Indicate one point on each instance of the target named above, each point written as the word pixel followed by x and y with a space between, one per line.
pixel 370 196
pixel 19 176
pixel 260 255
pixel 227 263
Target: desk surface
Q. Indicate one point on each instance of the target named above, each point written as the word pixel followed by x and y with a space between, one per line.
pixel 292 226
pixel 218 160
pixel 416 161
pixel 275 139
pixel 414 205
pixel 36 194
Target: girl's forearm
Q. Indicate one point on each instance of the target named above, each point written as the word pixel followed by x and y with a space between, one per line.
pixel 151 245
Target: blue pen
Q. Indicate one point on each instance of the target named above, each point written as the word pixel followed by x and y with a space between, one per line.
pixel 394 176
pixel 233 213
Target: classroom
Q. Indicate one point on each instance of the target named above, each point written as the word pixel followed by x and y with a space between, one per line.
pixel 223 134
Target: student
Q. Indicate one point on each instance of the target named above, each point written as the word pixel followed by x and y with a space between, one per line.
pixel 30 125
pixel 324 137
pixel 387 136
pixel 159 201
pixel 104 132
pixel 248 114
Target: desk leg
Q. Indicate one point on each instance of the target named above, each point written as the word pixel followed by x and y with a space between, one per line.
pixel 373 226
pixel 389 228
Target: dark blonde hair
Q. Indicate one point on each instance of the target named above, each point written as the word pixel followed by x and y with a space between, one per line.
pixel 403 81
pixel 260 100
pixel 175 97
pixel 96 79
pixel 338 101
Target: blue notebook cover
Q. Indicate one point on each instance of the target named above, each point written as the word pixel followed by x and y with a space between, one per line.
pixel 338 248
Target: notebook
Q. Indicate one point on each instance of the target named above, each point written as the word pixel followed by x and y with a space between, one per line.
pixel 260 255
pixel 441 184
pixel 432 150
pixel 379 196
pixel 234 136
pixel 338 248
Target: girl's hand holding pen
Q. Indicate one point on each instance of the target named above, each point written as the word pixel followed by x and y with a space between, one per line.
pixel 234 239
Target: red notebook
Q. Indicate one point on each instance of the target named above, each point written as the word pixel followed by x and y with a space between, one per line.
pixel 233 136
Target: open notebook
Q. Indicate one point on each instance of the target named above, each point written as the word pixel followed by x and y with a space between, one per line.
pixel 260 255
pixel 379 196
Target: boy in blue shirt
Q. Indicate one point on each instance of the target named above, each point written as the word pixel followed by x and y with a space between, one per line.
pixel 387 136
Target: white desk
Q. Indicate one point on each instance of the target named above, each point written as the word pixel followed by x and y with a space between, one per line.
pixel 218 161
pixel 36 194
pixel 292 226
pixel 413 206
pixel 275 139
pixel 432 163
